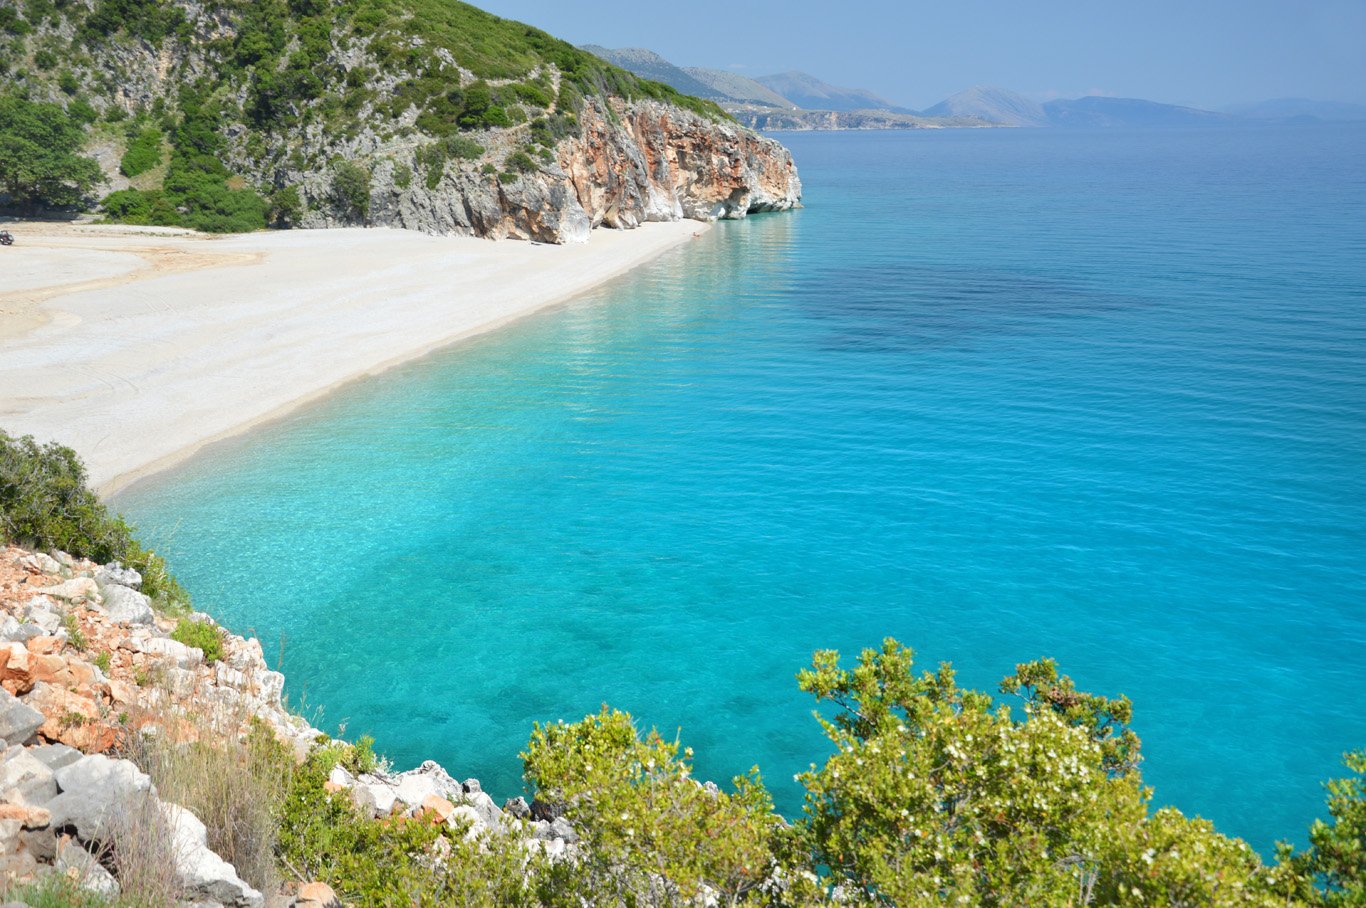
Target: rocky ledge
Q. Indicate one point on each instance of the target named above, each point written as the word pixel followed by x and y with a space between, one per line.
pixel 87 667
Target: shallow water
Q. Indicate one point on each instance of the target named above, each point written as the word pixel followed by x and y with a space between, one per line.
pixel 1001 393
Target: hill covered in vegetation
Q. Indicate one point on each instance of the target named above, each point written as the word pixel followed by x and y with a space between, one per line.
pixel 229 114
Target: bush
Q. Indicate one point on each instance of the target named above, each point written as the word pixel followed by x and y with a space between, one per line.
pixel 45 503
pixel 521 162
pixel 649 827
pixel 201 634
pixel 351 190
pixel 143 153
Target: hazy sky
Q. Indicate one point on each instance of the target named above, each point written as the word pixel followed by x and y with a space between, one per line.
pixel 1206 53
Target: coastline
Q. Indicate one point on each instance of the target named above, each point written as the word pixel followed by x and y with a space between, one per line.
pixel 139 348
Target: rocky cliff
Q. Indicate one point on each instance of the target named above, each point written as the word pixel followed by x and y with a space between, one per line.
pixel 632 162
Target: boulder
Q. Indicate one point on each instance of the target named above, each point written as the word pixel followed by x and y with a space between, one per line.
pixel 80 866
pixel 436 776
pixel 245 655
pixel 115 574
pixel 77 589
pixel 545 810
pixel 488 811
pixel 92 792
pixel 18 720
pixel 73 717
pixel 166 648
pixel 16 668
pixel 54 756
pixel 202 873
pixel 43 612
pixel 40 563
pixel 560 829
pixel 375 797
pixel 127 606
pixel 517 808
pixel 465 815
pixel 25 778
pixel 436 808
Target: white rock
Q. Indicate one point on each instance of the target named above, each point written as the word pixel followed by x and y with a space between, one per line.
pixel 378 798
pixel 164 647
pixel 26 779
pixel 43 612
pixel 126 606
pixel 202 872
pixel 245 655
pixel 116 573
pixel 92 790
pixel 18 720
pixel 227 676
pixel 74 590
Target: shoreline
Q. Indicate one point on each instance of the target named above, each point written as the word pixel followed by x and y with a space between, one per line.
pixel 139 349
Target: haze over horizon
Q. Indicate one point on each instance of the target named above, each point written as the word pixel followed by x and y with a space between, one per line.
pixel 1211 55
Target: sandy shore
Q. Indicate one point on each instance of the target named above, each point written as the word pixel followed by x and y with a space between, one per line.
pixel 137 348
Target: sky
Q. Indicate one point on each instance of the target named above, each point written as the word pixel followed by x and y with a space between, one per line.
pixel 1203 53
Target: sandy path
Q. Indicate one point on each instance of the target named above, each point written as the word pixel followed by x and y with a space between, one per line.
pixel 137 349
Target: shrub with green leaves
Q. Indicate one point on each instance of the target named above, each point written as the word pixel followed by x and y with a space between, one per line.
pixel 143 153
pixel 653 832
pixel 207 637
pixel 45 503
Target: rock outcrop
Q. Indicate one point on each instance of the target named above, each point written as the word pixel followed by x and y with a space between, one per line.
pixel 631 163
pixel 80 673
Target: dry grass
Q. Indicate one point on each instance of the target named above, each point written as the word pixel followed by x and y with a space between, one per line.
pixel 141 853
pixel 233 781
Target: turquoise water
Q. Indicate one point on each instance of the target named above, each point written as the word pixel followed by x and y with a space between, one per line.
pixel 1001 394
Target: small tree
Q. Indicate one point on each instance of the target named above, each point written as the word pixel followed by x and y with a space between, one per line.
pixel 39 164
pixel 351 191
pixel 654 835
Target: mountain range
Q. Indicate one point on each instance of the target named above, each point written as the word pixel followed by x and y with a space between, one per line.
pixel 798 100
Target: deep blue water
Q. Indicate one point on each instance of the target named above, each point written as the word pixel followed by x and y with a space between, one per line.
pixel 1002 394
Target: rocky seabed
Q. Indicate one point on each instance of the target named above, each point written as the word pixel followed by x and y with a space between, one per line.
pixel 65 708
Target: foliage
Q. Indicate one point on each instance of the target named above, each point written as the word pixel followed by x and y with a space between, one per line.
pixel 351 190
pixel 286 208
pixel 520 162
pixel 45 502
pixel 39 164
pixel 1336 857
pixel 207 637
pixel 648 825
pixel 75 636
pixel 143 153
pixel 390 862
pixel 151 20
pixel 938 793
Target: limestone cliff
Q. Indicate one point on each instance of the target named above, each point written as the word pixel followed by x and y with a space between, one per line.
pixel 632 162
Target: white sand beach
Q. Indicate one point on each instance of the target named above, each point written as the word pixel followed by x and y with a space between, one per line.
pixel 138 347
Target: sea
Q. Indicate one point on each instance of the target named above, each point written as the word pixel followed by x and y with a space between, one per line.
pixel 1098 396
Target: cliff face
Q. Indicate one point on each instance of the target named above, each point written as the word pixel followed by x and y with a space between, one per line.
pixel 631 163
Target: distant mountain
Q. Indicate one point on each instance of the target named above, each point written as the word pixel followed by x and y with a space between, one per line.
pixel 995 105
pixel 738 88
pixel 649 65
pixel 807 91
pixel 1097 111
pixel 1300 109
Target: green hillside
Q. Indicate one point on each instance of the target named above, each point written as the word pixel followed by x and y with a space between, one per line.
pixel 251 94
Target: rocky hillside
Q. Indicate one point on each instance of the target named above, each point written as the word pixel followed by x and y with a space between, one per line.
pixel 424 114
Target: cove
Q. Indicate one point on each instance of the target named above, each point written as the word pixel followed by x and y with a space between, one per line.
pixel 1002 394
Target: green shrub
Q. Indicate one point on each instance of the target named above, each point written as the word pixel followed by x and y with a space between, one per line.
pixel 74 635
pixel 286 208
pixel 351 190
pixel 143 153
pixel 520 162
pixel 201 634
pixel 643 816
pixel 403 176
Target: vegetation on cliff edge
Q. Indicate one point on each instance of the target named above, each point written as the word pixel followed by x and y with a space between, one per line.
pixel 931 793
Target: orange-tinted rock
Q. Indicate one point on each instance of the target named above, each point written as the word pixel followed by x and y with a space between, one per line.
pixel 45 645
pixel 17 674
pixel 437 809
pixel 29 817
